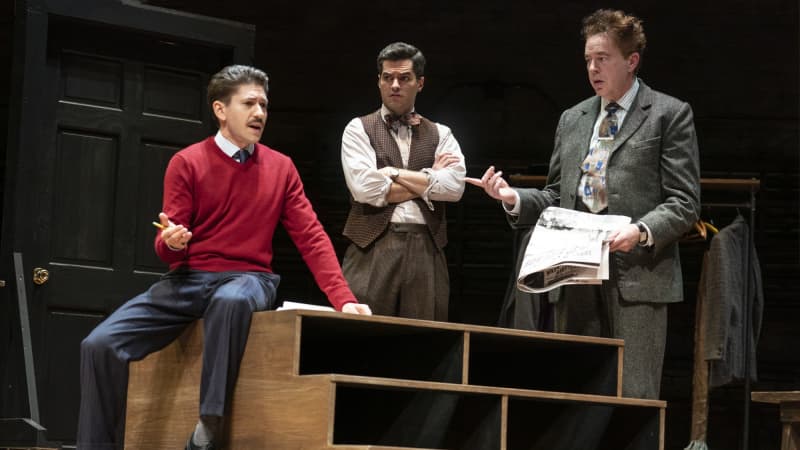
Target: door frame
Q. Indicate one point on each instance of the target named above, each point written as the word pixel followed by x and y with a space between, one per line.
pixel 31 26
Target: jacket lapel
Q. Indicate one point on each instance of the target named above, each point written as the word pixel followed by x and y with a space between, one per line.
pixel 640 108
pixel 576 143
pixel 585 126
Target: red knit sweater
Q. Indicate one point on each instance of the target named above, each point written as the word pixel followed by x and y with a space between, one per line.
pixel 232 210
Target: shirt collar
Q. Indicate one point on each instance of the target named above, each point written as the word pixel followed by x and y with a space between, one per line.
pixel 626 100
pixel 229 147
pixel 385 112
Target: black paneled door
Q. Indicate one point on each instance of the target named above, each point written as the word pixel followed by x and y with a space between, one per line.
pixel 113 103
pixel 121 107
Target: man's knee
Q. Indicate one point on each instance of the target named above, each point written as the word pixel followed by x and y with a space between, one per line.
pixel 97 342
pixel 235 303
pixel 245 295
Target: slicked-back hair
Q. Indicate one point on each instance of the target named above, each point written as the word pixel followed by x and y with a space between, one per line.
pixel 224 83
pixel 398 51
pixel 625 30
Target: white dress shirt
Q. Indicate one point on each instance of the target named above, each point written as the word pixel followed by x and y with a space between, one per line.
pixel 369 186
pixel 229 147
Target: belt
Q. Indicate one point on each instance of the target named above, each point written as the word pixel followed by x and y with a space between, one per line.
pixel 408 227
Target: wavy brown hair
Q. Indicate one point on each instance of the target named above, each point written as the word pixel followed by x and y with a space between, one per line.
pixel 625 30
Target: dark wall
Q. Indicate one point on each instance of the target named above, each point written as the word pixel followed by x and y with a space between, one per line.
pixel 499 74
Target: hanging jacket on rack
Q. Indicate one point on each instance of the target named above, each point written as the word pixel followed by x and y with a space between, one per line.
pixel 722 284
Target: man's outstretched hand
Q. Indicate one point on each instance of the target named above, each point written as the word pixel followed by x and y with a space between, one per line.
pixel 495 186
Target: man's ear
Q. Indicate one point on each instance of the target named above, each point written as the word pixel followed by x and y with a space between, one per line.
pixel 633 62
pixel 421 83
pixel 219 110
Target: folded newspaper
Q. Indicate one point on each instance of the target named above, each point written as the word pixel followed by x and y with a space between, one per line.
pixel 567 247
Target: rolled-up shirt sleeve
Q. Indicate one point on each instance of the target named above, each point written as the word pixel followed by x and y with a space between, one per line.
pixel 447 184
pixel 365 183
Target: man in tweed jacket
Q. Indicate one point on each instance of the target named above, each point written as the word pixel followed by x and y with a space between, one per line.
pixel 650 173
pixel 401 169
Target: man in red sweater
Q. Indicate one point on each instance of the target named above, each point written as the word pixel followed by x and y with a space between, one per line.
pixel 223 199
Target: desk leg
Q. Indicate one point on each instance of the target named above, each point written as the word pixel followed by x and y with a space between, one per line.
pixel 790 416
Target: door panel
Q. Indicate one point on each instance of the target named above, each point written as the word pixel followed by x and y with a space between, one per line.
pixel 172 94
pixel 83 204
pixel 91 80
pixel 110 106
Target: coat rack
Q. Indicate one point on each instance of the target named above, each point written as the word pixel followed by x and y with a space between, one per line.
pixel 749 187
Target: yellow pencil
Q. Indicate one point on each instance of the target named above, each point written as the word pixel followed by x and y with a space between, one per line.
pixel 158 225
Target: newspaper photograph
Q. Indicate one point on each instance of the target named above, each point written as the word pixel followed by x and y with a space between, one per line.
pixel 567 247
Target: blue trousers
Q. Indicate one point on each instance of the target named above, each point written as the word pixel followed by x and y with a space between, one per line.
pixel 149 322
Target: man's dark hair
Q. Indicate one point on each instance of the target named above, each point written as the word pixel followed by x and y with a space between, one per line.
pixel 625 30
pixel 225 82
pixel 400 50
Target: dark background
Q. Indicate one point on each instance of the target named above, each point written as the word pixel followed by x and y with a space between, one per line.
pixel 499 74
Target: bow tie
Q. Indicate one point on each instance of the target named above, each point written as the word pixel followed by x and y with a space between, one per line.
pixel 409 119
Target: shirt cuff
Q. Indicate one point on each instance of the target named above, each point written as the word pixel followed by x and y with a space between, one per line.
pixel 432 181
pixel 514 211
pixel 649 241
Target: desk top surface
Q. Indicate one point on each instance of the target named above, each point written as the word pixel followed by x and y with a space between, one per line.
pixel 775 396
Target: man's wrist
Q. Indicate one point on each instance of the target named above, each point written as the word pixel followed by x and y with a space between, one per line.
pixel 175 249
pixel 644 235
pixel 513 206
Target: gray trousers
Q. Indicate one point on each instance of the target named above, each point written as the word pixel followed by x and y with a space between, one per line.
pixel 401 274
pixel 149 322
pixel 599 311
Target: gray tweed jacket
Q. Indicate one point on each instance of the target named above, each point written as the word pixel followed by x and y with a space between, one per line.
pixel 653 175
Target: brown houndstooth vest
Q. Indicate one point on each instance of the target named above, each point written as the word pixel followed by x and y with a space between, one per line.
pixel 366 222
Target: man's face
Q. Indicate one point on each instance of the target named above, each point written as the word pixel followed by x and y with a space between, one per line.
pixel 242 120
pixel 610 73
pixel 399 85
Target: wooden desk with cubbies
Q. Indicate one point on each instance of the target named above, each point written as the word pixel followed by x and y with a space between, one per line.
pixel 323 380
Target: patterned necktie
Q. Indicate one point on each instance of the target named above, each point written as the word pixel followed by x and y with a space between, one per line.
pixel 592 187
pixel 395 122
pixel 609 126
pixel 241 156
